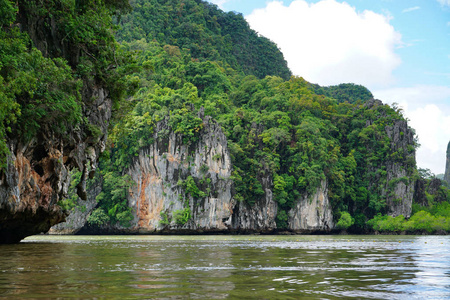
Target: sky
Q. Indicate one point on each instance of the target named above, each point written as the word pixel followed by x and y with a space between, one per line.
pixel 398 49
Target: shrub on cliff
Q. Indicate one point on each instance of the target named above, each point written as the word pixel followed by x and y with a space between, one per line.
pixel 345 221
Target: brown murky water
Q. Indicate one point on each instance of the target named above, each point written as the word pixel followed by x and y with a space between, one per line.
pixel 226 267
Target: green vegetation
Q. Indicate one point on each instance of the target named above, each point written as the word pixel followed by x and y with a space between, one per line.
pixel 207 32
pixel 71 201
pixel 297 133
pixel 98 218
pixel 344 92
pixel 345 221
pixel 177 58
pixel 192 189
pixel 181 217
pixel 41 81
pixel 432 215
pixel 164 219
pixel 421 221
pixel 113 198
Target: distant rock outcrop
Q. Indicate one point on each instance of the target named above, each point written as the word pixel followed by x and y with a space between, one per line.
pixel 447 166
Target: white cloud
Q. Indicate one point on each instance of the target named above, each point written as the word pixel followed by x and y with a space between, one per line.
pixel 444 2
pixel 330 42
pixel 428 108
pixel 410 9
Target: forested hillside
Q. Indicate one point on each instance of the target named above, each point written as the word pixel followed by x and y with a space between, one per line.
pixel 207 32
pixel 274 127
pixel 296 133
pixel 194 76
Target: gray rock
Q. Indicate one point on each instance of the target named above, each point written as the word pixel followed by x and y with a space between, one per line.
pixel 159 171
pixel 399 190
pixel 447 166
pixel 78 216
pixel 398 187
pixel 312 213
pixel 37 173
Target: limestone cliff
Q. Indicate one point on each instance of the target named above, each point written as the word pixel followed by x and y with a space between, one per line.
pixel 397 187
pixel 159 174
pixel 259 217
pixel 400 182
pixel 78 215
pixel 447 166
pixel 37 173
pixel 312 214
pixel 188 188
pixel 171 178
pixel 424 189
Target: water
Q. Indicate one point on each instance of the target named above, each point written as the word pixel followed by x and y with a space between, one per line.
pixel 227 267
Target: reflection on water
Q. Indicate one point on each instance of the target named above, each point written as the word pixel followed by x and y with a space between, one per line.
pixel 219 267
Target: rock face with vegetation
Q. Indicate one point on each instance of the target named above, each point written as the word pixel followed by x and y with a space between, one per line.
pixel 400 179
pixel 398 167
pixel 56 103
pixel 215 135
pixel 187 188
pixel 179 186
pixel 300 157
pixel 81 209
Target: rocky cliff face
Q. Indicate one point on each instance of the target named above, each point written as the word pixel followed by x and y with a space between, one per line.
pixel 78 216
pixel 259 217
pixel 425 188
pixel 181 188
pixel 168 176
pixel 398 186
pixel 447 166
pixel 37 174
pixel 312 214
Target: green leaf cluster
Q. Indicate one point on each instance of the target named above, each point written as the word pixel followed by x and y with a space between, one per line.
pixel 181 217
pixel 191 188
pixel 345 221
pixel 98 218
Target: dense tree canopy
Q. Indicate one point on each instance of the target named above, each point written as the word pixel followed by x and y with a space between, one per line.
pixel 208 33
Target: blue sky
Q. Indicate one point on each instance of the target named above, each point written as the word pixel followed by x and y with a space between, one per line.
pixel 399 49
